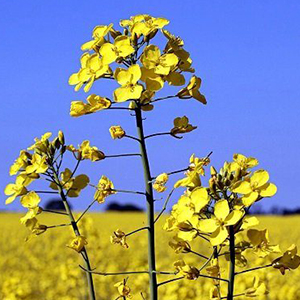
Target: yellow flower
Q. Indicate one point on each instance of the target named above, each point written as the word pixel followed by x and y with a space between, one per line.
pixel 218 224
pixel 179 245
pixel 20 163
pixel 99 32
pixel 144 24
pixel 197 164
pixel 78 243
pixel 175 45
pixel 288 261
pixel 189 272
pixel 242 162
pixel 73 185
pixel 161 64
pixel 116 132
pixel 17 189
pixel 30 200
pixel 160 181
pixel 33 225
pixel 94 103
pixel 38 164
pixel 41 144
pixel 154 82
pixel 249 221
pixel 259 239
pixel 89 152
pixel 128 79
pixel 123 289
pixel 181 125
pixel 145 100
pixel 114 52
pixel 254 187
pixel 31 214
pixel 258 289
pixel 104 188
pixel 119 237
pixel 92 68
pixel 189 205
pixel 192 90
pixel 191 180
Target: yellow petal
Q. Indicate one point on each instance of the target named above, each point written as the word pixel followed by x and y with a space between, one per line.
pixel 135 74
pixel 259 178
pixel 108 53
pixel 221 210
pixel 176 79
pixel 209 225
pixel 249 199
pixel 268 190
pixel 199 198
pixel 219 236
pixel 242 187
pixel 73 80
pixel 122 76
pixel 233 217
pixel 187 235
pixel 169 60
pixel 30 200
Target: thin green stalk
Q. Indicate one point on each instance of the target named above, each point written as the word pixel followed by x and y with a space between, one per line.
pixel 77 233
pixel 230 294
pixel 150 205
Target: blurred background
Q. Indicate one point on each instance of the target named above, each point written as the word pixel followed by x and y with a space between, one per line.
pixel 246 52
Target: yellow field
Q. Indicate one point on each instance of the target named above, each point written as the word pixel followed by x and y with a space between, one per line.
pixel 45 269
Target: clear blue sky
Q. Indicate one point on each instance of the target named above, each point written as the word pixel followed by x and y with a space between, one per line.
pixel 246 52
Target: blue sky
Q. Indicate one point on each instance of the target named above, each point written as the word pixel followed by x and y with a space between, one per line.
pixel 246 52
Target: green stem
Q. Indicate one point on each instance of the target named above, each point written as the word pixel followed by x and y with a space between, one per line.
pixel 150 205
pixel 77 233
pixel 230 294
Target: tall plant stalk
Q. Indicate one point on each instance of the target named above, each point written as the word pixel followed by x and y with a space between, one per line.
pixel 150 205
pixel 84 254
pixel 232 263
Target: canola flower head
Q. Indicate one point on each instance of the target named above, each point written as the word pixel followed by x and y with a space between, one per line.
pixel 160 181
pixel 116 132
pixel 181 125
pixel 189 272
pixel 104 188
pixel 147 66
pixel 94 103
pixel 123 289
pixel 288 261
pixel 119 237
pixel 78 243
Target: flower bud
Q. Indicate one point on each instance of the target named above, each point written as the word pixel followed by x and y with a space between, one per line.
pixel 213 171
pixel 61 137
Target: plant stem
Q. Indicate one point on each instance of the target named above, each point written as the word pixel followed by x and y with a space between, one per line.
pixel 232 264
pixel 150 205
pixel 77 233
pixel 254 269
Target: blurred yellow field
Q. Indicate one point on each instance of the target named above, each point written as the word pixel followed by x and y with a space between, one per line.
pixel 45 269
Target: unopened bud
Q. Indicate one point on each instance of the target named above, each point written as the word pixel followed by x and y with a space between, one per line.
pixel 61 137
pixel 114 33
pixel 213 171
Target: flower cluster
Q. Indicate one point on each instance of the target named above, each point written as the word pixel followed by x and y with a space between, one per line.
pixel 135 63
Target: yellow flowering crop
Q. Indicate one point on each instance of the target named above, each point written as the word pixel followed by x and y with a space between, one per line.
pixel 210 223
